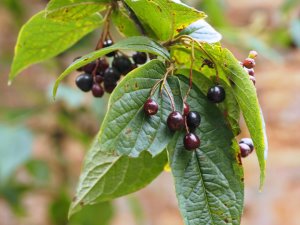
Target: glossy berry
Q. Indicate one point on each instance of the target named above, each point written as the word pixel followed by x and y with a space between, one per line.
pixel 84 82
pixel 186 109
pixel 216 94
pixel 249 63
pixel 122 64
pixel 150 107
pixel 191 141
pixel 244 150
pixel 252 78
pixel 139 57
pixel 111 75
pixel 175 121
pixel 247 141
pixel 193 120
pixel 106 44
pixel 109 86
pixel 97 90
pixel 252 54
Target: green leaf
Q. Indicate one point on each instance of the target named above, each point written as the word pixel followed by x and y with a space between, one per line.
pixel 202 31
pixel 74 9
pixel 209 180
pixel 42 38
pixel 15 149
pixel 106 175
pixel 126 129
pixel 245 94
pixel 139 43
pixel 124 23
pixel 166 18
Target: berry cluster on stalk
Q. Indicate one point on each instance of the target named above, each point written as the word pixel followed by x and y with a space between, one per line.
pixel 249 63
pixel 100 77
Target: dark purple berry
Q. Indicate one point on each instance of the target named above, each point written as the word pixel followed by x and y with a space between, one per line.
pixel 99 78
pixel 216 94
pixel 97 90
pixel 139 57
pixel 244 150
pixel 249 63
pixel 150 107
pixel 122 64
pixel 111 75
pixel 193 120
pixel 89 68
pixel 252 78
pixel 109 87
pixel 247 141
pixel 191 141
pixel 106 44
pixel 250 71
pixel 175 121
pixel 186 109
pixel 84 82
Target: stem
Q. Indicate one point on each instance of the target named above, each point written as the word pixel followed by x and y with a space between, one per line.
pixel 170 97
pixel 105 31
pixel 191 72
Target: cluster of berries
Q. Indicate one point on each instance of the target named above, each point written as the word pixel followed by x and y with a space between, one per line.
pixel 246 147
pixel 99 71
pixel 249 64
pixel 176 121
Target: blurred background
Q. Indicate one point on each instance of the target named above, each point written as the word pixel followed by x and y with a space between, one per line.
pixel 42 143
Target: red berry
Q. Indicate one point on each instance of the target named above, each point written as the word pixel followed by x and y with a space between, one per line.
pixel 244 150
pixel 252 54
pixel 247 141
pixel 249 63
pixel 250 72
pixel 97 90
pixel 191 141
pixel 99 78
pixel 186 109
pixel 252 78
pixel 150 107
pixel 102 65
pixel 175 121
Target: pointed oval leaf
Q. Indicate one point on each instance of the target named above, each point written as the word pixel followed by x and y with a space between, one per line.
pixel 138 43
pixel 209 180
pixel 42 38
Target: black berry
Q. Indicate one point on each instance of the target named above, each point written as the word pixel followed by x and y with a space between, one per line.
pixel 111 75
pixel 244 150
pixel 106 44
pixel 193 120
pixel 247 141
pixel 84 82
pixel 249 63
pixel 110 86
pixel 186 109
pixel 122 64
pixel 150 107
pixel 175 121
pixel 216 94
pixel 97 90
pixel 191 141
pixel 139 57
